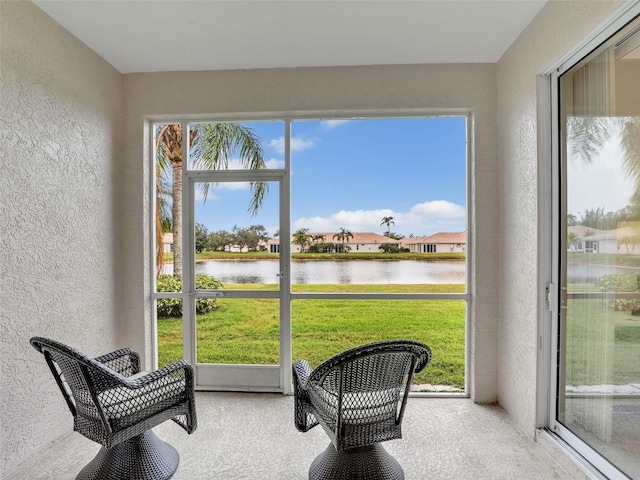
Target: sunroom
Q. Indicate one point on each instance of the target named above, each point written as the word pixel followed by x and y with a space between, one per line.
pixel 550 136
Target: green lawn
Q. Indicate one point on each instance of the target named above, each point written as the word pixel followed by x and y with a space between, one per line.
pixel 247 331
pixel 603 345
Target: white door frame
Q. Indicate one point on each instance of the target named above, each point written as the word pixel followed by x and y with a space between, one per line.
pixel 260 378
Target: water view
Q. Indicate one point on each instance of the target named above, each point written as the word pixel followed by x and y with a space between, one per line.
pixel 368 272
pixel 588 273
pixel 335 272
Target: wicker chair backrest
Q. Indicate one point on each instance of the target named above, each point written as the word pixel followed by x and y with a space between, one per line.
pixel 373 364
pixel 359 395
pixel 380 371
pixel 79 377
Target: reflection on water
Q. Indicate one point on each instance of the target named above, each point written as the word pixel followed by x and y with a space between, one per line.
pixel 368 271
pixel 587 273
pixel 335 272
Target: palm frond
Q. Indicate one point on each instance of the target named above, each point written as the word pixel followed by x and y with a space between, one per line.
pixel 587 135
pixel 215 144
pixel 630 143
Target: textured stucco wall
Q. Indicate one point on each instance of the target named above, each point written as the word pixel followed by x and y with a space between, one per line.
pixel 468 88
pixel 60 144
pixel 557 28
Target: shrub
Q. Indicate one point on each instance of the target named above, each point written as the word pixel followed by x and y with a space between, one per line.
pixel 389 248
pixel 322 247
pixel 172 307
pixel 616 282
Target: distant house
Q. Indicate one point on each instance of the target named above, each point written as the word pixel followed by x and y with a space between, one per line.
pixel 624 240
pixel 359 242
pixel 272 245
pixel 443 242
pixel 167 242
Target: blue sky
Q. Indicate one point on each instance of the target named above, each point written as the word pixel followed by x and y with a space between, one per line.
pixel 352 173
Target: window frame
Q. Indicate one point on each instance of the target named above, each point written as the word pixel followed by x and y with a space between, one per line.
pixel 189 330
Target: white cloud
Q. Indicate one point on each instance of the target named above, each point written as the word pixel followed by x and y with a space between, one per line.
pixel 329 124
pixel 274 163
pixel 421 219
pixel 435 209
pixel 233 186
pixel 213 187
pixel 298 144
pixel 211 195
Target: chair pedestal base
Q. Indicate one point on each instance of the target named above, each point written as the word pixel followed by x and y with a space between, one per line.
pixel 144 457
pixel 365 463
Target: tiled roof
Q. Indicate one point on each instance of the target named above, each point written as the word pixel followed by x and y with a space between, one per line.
pixel 441 237
pixel 581 231
pixel 625 230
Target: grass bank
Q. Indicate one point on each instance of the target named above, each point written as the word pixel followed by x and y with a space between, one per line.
pixel 247 331
pixel 603 345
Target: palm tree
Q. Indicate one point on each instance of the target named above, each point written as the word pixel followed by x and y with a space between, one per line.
pixel 315 238
pixel 163 190
pixel 318 237
pixel 587 135
pixel 388 221
pixel 210 146
pixel 301 237
pixel 630 142
pixel 342 236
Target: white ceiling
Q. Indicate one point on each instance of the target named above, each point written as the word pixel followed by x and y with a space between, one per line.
pixel 174 35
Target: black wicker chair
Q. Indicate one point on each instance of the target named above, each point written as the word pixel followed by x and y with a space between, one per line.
pixel 358 397
pixel 116 405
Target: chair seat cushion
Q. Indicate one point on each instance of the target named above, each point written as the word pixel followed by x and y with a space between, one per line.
pixel 358 408
pixel 123 401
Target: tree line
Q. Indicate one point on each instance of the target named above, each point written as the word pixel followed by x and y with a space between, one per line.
pixel 255 237
pixel 597 218
pixel 316 243
pixel 252 238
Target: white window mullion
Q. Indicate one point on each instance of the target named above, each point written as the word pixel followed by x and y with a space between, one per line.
pixel 188 278
pixel 285 266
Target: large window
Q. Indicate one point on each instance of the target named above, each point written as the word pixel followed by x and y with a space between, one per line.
pixel 300 238
pixel 597 374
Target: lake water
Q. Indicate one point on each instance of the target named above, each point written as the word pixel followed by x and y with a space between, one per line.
pixel 580 273
pixel 334 272
pixel 367 271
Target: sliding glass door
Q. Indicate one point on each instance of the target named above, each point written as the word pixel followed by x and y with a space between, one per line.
pixel 597 400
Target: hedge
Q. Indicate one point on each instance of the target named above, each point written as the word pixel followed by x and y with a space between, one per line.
pixel 172 307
